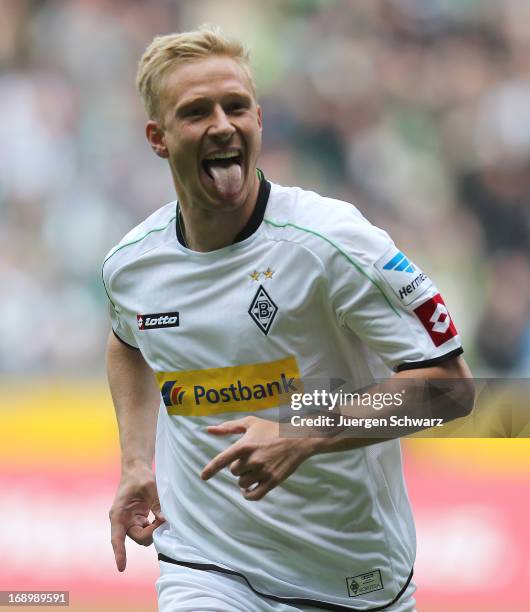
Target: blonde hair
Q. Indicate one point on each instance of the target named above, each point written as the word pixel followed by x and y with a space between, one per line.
pixel 165 52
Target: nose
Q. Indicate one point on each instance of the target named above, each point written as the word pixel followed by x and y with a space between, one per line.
pixel 221 126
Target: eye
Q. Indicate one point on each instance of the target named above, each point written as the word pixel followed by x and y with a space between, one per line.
pixel 195 113
pixel 236 107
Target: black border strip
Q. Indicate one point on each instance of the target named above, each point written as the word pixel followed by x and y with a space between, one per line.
pixel 123 341
pixel 258 213
pixel 429 362
pixel 300 601
pixel 178 228
pixel 255 218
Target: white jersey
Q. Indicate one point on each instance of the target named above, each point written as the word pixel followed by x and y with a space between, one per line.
pixel 310 290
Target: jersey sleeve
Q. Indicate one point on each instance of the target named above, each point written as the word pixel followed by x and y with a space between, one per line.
pixel 120 327
pixel 379 294
pixel 121 330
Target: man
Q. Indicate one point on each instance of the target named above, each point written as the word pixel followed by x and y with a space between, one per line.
pixel 232 296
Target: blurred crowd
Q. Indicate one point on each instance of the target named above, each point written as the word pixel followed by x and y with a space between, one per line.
pixel 417 111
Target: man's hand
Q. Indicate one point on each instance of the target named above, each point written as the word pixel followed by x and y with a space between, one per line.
pixel 135 498
pixel 260 458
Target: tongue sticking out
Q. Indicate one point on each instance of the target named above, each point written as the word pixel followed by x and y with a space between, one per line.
pixel 228 180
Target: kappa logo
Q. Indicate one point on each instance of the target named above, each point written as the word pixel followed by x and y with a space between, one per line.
pixel 399 263
pixel 262 310
pixel 436 319
pixel 157 320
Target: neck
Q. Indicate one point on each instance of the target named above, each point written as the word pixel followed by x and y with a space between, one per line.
pixel 209 230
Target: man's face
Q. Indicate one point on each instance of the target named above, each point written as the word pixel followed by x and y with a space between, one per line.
pixel 210 131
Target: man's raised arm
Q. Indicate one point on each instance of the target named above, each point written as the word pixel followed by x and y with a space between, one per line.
pixel 136 399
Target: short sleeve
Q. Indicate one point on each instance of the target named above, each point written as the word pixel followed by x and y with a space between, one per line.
pixel 383 297
pixel 121 330
pixel 120 327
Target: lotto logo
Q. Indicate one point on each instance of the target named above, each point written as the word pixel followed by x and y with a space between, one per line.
pixel 440 319
pixel 157 320
pixel 436 319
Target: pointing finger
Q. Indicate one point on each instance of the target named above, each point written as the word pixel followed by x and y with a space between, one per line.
pixel 118 544
pixel 221 460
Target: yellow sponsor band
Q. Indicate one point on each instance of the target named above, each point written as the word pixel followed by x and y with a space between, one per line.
pixel 241 388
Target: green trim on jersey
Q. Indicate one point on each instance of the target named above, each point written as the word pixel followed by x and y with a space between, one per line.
pixel 156 229
pixel 105 287
pixel 119 248
pixel 341 251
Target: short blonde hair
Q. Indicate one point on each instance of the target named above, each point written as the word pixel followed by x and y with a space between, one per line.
pixel 165 52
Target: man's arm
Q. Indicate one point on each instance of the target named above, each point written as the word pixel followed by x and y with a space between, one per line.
pixel 458 399
pixel 136 399
pixel 262 459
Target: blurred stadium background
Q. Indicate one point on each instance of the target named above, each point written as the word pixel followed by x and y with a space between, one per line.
pixel 416 110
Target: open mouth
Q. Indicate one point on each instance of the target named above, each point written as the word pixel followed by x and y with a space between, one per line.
pixel 225 171
pixel 218 162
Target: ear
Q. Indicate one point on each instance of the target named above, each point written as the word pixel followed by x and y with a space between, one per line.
pixel 156 138
pixel 260 117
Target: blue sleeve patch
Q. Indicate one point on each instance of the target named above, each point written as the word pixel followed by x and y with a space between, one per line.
pixel 406 280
